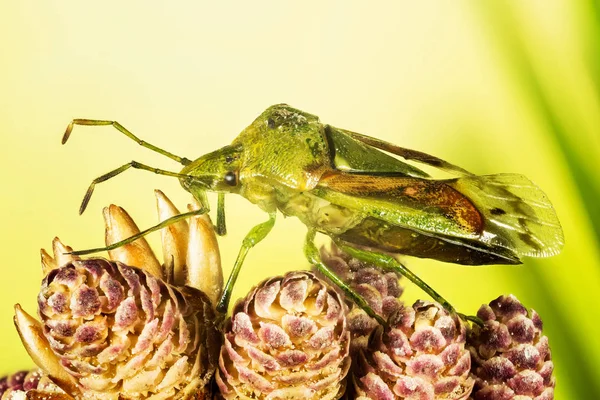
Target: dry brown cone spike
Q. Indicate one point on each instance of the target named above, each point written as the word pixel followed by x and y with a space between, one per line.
pixel 129 327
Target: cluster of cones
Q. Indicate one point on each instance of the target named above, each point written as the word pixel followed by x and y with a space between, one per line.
pixel 133 327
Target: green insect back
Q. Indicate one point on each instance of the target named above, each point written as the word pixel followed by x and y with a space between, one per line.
pixel 285 146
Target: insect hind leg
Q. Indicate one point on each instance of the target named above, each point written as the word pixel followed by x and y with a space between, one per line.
pixel 117 171
pixel 388 262
pixel 126 132
pixel 313 256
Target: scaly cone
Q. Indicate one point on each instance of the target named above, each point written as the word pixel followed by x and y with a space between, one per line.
pixel 287 339
pixel 114 331
pixel 420 355
pixel 119 226
pixel 118 329
pixel 511 356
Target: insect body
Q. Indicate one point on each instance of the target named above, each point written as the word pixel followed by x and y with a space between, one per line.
pixel 346 185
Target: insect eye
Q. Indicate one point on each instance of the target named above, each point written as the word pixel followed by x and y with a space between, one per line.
pixel 271 123
pixel 231 178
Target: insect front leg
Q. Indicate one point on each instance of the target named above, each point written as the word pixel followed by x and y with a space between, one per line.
pixel 313 256
pixel 143 233
pixel 126 132
pixel 221 226
pixel 256 234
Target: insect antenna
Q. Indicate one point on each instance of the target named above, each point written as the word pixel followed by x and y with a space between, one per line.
pixel 117 171
pixel 126 132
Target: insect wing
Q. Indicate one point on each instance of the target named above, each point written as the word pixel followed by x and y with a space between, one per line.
pixel 504 211
pixel 518 215
pixel 353 155
pixel 407 154
pixel 421 204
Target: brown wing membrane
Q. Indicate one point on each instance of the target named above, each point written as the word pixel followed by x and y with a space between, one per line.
pixel 420 203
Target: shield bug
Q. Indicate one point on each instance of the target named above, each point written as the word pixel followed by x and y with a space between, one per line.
pixel 371 204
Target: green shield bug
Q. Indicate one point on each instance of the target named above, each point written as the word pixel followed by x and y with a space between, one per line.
pixel 371 204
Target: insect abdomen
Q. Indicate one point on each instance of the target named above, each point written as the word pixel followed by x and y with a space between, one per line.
pixel 377 234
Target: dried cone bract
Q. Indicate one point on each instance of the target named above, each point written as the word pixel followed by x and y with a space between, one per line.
pixel 286 340
pixel 511 357
pixel 421 356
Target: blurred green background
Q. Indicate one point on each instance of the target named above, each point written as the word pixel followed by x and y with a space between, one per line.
pixel 494 86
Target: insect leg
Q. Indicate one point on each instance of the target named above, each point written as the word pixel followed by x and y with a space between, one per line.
pixel 221 226
pixel 390 263
pixel 143 233
pixel 256 234
pixel 126 132
pixel 312 254
pixel 117 171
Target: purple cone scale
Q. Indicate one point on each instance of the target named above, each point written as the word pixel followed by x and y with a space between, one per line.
pixel 421 355
pixel 118 329
pixel 30 385
pixel 511 357
pixel 15 385
pixel 286 340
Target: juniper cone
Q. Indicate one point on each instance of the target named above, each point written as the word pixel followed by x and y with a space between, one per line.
pixel 119 329
pixel 286 340
pixel 379 288
pixel 111 331
pixel 421 355
pixel 510 355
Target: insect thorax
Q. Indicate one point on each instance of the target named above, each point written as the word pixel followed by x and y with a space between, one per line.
pixel 320 214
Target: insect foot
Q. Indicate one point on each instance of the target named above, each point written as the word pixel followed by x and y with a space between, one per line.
pixel 510 354
pixel 110 330
pixel 420 355
pixel 287 339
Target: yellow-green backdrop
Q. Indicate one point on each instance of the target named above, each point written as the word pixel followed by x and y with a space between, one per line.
pixel 494 86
